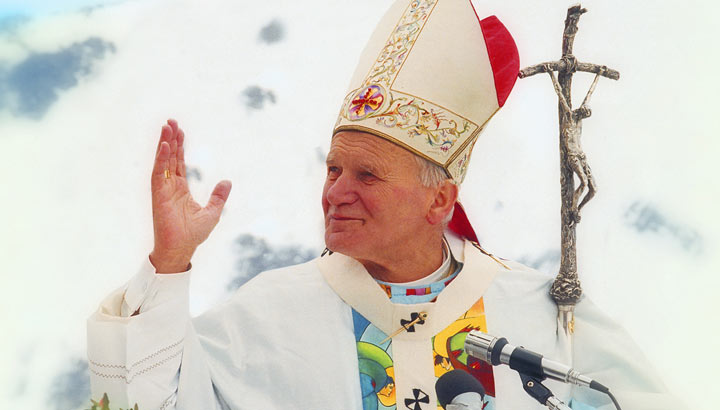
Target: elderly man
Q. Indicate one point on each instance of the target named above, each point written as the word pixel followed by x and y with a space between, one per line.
pixel 384 312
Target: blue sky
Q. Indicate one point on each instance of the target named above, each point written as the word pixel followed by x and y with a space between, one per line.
pixel 38 7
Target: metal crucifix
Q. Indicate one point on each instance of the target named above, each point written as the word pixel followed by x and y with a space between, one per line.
pixel 566 290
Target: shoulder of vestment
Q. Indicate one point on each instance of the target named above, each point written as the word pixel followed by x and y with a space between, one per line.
pixel 520 280
pixel 283 285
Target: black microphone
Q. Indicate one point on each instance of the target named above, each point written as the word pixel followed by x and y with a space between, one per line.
pixel 458 390
pixel 497 351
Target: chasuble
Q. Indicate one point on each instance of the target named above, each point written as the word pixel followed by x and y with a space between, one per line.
pixel 311 336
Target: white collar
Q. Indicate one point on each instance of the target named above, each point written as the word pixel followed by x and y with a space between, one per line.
pixel 349 279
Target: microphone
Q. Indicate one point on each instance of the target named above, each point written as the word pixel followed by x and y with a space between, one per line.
pixel 458 390
pixel 497 351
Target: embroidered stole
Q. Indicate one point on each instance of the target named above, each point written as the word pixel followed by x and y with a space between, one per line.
pixel 399 372
pixel 377 371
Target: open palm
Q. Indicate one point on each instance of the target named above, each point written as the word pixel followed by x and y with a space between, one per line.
pixel 180 224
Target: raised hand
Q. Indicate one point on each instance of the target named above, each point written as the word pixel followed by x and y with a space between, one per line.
pixel 180 224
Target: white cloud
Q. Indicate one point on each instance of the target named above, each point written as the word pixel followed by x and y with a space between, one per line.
pixel 75 194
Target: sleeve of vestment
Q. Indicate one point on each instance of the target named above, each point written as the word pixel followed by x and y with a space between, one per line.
pixel 604 351
pixel 138 341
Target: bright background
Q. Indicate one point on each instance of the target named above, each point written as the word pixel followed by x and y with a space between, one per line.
pixel 85 86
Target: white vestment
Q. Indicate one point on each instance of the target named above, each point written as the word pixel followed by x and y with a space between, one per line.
pixel 285 340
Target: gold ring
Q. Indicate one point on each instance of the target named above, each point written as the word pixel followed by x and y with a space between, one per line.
pixel 167 173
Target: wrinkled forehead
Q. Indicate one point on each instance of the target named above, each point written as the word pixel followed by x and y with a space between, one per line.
pixel 367 148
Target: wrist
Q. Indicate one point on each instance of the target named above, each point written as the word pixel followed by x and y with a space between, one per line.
pixel 170 262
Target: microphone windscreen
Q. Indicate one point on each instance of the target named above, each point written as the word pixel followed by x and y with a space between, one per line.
pixel 455 383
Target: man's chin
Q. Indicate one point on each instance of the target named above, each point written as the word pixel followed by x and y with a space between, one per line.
pixel 342 242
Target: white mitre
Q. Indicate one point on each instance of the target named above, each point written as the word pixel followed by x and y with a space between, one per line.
pixel 430 78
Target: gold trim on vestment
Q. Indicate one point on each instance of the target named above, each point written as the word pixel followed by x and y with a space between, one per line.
pixel 387 42
pixel 435 104
pixel 477 132
pixel 427 18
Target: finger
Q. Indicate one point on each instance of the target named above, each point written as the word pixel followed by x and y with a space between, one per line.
pixel 218 197
pixel 173 124
pixel 165 135
pixel 181 153
pixel 173 145
pixel 161 163
pixel 172 163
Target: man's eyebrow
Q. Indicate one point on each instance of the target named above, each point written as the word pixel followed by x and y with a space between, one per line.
pixel 330 159
pixel 370 168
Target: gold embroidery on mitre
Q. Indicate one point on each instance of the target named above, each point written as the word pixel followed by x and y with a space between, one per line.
pixel 424 127
pixel 428 127
pixel 398 45
pixel 459 167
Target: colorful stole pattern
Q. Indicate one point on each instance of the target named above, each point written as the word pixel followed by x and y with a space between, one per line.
pixel 422 294
pixel 376 367
pixel 449 351
pixel 375 363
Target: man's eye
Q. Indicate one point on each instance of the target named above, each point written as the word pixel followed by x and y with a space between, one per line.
pixel 367 176
pixel 332 170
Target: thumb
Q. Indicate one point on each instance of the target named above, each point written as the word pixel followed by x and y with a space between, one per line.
pixel 218 197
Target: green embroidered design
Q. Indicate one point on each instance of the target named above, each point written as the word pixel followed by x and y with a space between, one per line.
pixel 439 128
pixel 104 404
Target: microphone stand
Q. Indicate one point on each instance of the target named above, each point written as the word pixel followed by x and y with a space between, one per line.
pixel 542 394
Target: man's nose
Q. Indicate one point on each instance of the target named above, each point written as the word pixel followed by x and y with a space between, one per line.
pixel 342 191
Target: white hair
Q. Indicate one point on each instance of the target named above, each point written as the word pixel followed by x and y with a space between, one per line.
pixel 431 175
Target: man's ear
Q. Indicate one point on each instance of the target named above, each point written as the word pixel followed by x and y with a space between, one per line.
pixel 446 194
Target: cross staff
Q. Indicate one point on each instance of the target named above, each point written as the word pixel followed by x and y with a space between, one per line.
pixel 566 290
